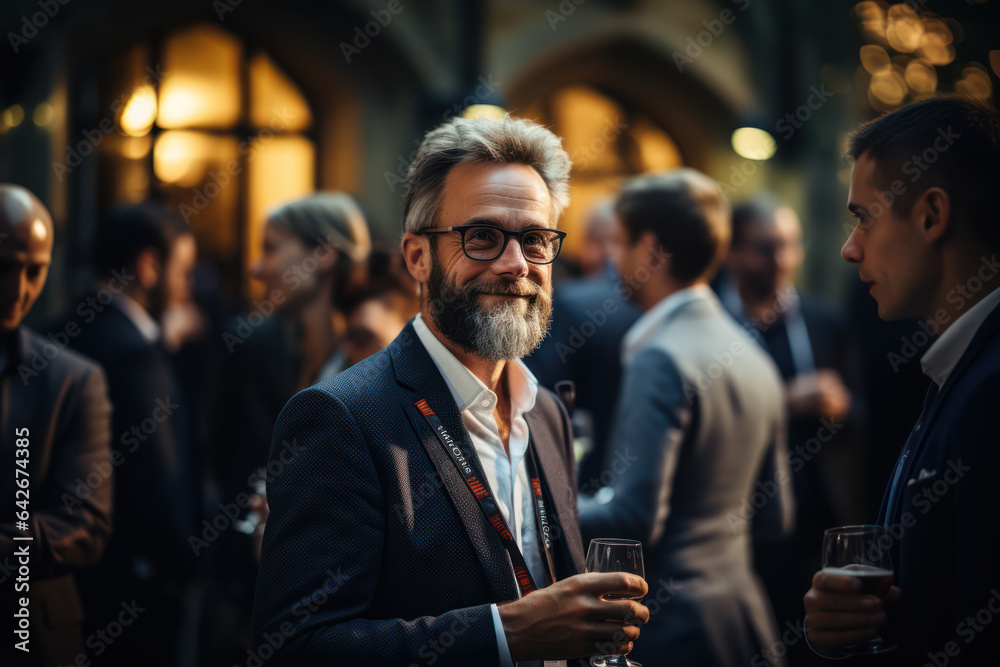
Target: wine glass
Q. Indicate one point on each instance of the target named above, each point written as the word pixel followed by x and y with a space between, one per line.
pixel 862 552
pixel 613 555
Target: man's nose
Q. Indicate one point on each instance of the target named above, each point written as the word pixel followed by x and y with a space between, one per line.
pixel 851 252
pixel 512 261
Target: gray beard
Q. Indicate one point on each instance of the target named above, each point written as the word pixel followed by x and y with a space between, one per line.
pixel 504 330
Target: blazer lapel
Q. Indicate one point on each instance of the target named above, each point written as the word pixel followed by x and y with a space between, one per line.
pixel 551 461
pixel 415 370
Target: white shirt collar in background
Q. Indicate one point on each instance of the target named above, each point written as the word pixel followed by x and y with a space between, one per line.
pixel 939 360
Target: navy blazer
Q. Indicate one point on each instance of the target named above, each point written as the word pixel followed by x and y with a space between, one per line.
pixel 376 551
pixel 945 522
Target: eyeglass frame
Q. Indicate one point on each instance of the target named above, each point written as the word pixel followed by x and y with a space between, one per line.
pixel 507 233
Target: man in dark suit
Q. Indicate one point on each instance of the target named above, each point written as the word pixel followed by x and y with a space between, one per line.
pixel 812 348
pixel 420 498
pixel 926 243
pixel 156 506
pixel 697 446
pixel 57 465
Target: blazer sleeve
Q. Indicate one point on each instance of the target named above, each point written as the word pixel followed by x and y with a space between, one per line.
pixel 652 417
pixel 322 554
pixel 71 530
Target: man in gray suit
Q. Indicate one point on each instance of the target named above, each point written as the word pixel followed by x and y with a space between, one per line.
pixel 697 448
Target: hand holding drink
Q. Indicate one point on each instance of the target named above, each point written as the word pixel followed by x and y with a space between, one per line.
pixel 844 607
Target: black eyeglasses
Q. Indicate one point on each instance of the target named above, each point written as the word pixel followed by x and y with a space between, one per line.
pixel 484 243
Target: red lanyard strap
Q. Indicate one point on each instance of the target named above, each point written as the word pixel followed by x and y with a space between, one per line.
pixel 476 481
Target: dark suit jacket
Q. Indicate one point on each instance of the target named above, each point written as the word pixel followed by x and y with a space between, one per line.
pixel 156 488
pixel 947 525
pixel 64 408
pixel 589 319
pixel 376 551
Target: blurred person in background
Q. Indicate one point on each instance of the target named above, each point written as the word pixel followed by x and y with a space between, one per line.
pixel 590 316
pixel 699 425
pixel 377 305
pixel 55 433
pixel 149 567
pixel 292 338
pixel 813 349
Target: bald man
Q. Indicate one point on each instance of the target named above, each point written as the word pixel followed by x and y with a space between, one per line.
pixel 55 456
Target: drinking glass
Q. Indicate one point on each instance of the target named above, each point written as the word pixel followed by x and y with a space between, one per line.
pixel 862 552
pixel 613 555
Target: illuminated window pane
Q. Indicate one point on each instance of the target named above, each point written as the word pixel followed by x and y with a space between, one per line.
pixel 589 125
pixel 275 100
pixel 279 170
pixel 657 150
pixel 201 81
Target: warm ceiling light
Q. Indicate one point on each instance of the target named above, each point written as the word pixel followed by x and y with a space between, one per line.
pixel 139 113
pixel 754 143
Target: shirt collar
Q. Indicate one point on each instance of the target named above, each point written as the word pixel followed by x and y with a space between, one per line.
pixel 942 356
pixel 644 327
pixel 138 316
pixel 466 389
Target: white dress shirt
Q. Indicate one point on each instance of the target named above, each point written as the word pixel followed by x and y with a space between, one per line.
pixel 939 360
pixel 508 479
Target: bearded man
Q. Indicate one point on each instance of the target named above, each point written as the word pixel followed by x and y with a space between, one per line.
pixel 420 496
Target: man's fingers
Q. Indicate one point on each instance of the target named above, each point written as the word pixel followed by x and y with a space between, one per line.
pixel 609 631
pixel 836 583
pixel 612 583
pixel 840 639
pixel 815 601
pixel 621 611
pixel 893 594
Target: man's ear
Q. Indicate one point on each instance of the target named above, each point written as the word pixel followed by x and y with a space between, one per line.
pixel 934 209
pixel 417 254
pixel 148 268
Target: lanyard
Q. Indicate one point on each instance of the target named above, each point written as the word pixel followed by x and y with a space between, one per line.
pixel 479 487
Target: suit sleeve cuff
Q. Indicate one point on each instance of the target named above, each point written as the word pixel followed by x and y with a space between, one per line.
pixel 502 647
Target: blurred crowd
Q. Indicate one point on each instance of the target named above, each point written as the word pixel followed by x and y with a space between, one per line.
pixel 152 512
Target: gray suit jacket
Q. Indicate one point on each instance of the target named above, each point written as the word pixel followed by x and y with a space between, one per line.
pixel 697 458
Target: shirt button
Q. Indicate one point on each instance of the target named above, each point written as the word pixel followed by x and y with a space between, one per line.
pixel 485 403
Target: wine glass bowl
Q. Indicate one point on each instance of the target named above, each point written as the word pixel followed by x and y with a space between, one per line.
pixel 862 552
pixel 607 554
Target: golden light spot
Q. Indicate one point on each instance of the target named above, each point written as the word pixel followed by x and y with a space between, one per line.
pixel 139 113
pixel 754 144
pixel 921 76
pixel 874 58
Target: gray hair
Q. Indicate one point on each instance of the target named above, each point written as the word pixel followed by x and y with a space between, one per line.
pixel 507 141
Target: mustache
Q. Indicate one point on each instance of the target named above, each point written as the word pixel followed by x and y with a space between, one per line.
pixel 503 288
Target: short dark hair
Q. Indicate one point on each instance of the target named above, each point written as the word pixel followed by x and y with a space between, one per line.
pixel 128 229
pixel 963 138
pixel 686 211
pixel 762 207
